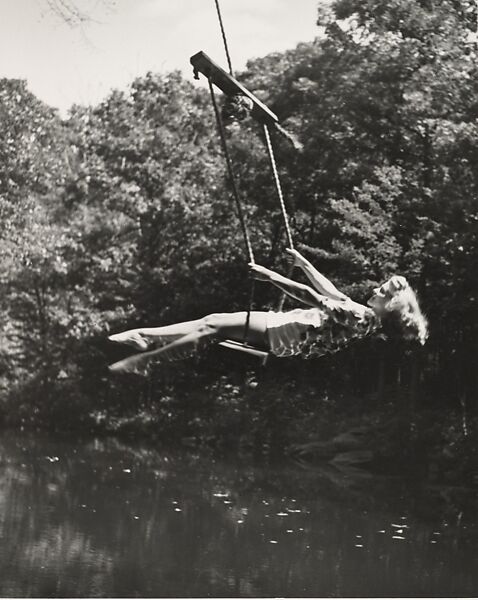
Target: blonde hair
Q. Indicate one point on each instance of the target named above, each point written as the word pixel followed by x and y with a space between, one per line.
pixel 403 312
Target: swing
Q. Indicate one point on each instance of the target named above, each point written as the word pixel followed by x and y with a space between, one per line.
pixel 226 82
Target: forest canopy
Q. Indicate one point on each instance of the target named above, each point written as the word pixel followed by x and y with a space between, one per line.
pixel 121 213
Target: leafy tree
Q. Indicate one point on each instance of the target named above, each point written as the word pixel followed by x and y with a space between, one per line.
pixel 31 168
pixel 122 214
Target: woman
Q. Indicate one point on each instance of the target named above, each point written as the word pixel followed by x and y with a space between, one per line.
pixel 332 321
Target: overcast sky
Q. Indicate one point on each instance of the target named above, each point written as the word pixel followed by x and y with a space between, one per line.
pixel 65 65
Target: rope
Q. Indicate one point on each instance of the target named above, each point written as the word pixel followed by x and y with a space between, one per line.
pixel 270 152
pixel 237 200
pixel 285 216
pixel 240 212
pixel 272 159
pixel 232 178
pixel 224 39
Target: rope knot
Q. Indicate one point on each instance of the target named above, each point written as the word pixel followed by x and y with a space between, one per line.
pixel 236 108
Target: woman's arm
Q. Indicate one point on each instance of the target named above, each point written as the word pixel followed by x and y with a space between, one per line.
pixel 298 291
pixel 319 281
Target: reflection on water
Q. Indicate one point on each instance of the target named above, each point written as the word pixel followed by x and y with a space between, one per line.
pixel 106 519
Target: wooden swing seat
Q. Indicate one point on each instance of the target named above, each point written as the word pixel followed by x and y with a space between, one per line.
pixel 242 347
pixel 230 86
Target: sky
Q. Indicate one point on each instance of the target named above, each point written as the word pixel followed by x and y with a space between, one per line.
pixel 65 64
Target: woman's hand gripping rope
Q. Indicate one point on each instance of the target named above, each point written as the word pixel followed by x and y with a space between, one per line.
pixel 294 257
pixel 260 273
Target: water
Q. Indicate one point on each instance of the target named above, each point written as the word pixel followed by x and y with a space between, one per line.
pixel 101 519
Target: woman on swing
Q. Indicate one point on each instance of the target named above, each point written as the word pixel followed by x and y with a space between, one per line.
pixel 332 321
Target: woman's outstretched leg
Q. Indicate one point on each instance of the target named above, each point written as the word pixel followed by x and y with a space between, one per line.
pixel 146 337
pixel 213 328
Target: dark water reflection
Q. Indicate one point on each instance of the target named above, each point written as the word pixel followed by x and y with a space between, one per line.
pixel 101 518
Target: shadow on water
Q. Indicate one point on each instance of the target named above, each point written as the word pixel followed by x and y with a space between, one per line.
pixel 100 518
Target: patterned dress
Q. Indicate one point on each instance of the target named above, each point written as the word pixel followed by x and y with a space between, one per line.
pixel 314 332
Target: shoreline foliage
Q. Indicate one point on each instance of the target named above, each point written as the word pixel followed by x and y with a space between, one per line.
pixel 121 215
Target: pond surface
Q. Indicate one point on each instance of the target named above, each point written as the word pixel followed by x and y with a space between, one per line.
pixel 103 518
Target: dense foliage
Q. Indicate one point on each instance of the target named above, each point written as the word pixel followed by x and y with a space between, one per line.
pixel 121 215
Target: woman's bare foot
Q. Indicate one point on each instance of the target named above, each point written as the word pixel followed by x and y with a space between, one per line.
pixel 137 363
pixel 131 338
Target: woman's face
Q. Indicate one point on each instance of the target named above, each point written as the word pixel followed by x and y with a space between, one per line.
pixel 382 294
